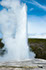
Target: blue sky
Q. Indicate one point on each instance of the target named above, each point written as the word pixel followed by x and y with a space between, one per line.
pixel 38 7
pixel 36 14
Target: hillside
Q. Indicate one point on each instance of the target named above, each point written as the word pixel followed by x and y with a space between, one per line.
pixel 2 50
pixel 38 46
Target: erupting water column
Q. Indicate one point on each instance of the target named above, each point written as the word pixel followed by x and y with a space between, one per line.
pixel 14 32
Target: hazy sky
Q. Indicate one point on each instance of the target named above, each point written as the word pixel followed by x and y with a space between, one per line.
pixel 36 14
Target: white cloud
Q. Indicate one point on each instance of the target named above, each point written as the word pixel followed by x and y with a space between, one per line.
pixel 37 4
pixel 38 36
pixel 31 9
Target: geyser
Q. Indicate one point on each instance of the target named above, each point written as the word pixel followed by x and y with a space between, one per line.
pixel 13 20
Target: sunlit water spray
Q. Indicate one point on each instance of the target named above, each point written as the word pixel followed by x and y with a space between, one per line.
pixel 13 19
